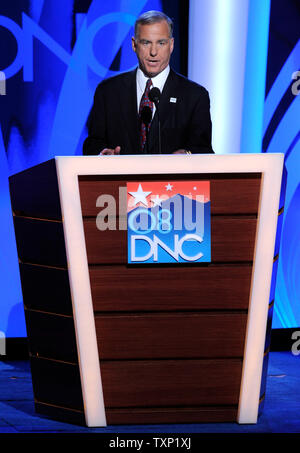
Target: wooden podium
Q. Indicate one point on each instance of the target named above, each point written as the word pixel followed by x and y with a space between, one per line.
pixel 112 343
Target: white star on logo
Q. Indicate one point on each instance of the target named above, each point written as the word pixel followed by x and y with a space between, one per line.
pixel 140 196
pixel 169 187
pixel 156 201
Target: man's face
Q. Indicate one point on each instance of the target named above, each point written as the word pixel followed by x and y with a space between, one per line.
pixel 153 47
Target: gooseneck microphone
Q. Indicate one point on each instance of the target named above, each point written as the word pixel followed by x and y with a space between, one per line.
pixel 154 96
pixel 146 117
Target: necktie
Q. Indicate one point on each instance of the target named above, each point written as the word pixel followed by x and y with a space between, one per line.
pixel 145 101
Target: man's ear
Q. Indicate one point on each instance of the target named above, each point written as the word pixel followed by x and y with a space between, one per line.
pixel 172 44
pixel 133 43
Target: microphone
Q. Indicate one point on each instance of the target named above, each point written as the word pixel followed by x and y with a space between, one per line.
pixel 154 96
pixel 146 117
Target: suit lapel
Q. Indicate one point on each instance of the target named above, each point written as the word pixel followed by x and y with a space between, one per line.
pixel 169 91
pixel 128 106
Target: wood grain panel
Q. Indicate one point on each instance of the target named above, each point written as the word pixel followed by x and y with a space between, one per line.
pixel 136 416
pixel 60 413
pixel 232 240
pixel 263 384
pixel 117 288
pixel 229 195
pixel 34 192
pixel 56 383
pixel 278 232
pixel 171 415
pixel 269 327
pixel 46 288
pixel 273 279
pixel 164 383
pixel 235 196
pixel 51 336
pixel 177 335
pixel 40 241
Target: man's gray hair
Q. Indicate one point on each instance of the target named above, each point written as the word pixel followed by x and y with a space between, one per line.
pixel 153 17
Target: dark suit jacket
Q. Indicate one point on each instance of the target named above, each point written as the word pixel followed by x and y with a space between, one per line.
pixel 185 124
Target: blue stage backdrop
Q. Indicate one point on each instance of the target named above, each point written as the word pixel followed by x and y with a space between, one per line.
pixel 281 133
pixel 52 56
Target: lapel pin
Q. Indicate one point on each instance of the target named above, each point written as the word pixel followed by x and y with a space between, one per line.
pixel 173 100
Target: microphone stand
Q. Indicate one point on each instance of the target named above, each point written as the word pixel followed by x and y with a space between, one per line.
pixel 146 117
pixel 154 96
pixel 159 136
pixel 147 141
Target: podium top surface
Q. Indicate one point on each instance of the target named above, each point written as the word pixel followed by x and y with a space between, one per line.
pixel 179 164
pixel 176 164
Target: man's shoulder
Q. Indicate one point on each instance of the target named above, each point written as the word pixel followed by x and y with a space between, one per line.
pixel 187 84
pixel 118 79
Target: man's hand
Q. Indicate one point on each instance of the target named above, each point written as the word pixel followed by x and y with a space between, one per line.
pixel 181 151
pixel 109 152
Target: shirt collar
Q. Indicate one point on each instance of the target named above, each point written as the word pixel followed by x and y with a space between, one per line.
pixel 158 81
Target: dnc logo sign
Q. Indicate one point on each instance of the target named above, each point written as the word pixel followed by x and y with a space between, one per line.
pixel 168 222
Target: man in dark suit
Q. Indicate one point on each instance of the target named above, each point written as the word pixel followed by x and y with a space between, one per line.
pixel 182 123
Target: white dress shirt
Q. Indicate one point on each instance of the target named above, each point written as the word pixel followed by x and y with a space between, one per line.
pixel 158 81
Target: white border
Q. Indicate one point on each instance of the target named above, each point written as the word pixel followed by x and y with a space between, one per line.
pixel 68 170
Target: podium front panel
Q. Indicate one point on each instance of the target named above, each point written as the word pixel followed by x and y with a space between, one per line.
pixel 163 343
